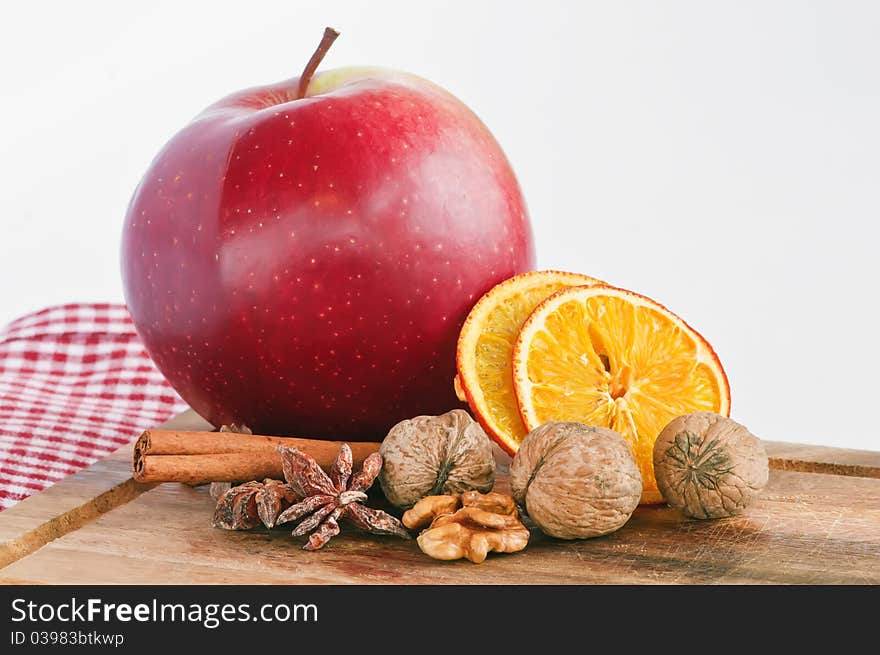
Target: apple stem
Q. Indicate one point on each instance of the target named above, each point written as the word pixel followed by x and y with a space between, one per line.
pixel 326 41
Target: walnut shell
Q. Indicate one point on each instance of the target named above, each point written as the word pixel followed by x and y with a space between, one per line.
pixel 708 465
pixel 576 481
pixel 434 455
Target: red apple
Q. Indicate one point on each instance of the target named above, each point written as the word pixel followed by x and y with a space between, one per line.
pixel 301 256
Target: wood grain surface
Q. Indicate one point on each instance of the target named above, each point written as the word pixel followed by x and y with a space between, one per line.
pixel 75 500
pixel 818 522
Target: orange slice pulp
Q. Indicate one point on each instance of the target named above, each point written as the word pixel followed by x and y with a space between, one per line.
pixel 609 357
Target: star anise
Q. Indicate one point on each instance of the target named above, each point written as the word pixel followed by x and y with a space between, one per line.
pixel 246 506
pixel 236 428
pixel 327 499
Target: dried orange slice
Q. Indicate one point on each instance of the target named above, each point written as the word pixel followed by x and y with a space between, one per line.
pixel 609 357
pixel 485 347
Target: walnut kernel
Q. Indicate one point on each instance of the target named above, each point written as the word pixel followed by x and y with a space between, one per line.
pixel 429 508
pixel 485 523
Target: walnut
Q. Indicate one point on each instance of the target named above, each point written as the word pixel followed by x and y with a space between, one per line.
pixel 574 480
pixel 431 455
pixel 483 524
pixel 709 466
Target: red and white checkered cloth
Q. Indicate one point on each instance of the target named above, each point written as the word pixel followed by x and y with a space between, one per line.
pixel 75 384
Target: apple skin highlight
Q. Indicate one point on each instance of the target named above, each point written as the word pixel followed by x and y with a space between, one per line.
pixel 304 265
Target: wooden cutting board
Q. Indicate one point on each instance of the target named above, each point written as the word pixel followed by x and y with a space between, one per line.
pixel 818 522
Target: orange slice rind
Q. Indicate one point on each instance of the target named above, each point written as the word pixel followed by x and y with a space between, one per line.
pixel 485 349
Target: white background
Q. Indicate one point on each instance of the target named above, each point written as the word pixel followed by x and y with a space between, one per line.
pixel 720 157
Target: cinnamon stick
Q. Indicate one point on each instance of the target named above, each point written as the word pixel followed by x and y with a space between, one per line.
pixel 200 457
